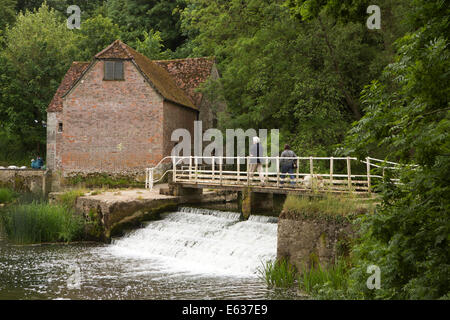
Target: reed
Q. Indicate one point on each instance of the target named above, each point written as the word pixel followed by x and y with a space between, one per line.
pixel 39 222
pixel 279 273
pixel 315 278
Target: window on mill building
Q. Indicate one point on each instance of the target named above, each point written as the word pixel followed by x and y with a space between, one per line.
pixel 113 70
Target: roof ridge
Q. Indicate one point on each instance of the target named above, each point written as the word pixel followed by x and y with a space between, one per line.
pixel 180 59
pixel 122 45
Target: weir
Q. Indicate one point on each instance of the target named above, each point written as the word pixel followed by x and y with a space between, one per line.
pixel 204 241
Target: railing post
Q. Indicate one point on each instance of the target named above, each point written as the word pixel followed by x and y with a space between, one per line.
pixel 213 167
pixel 248 170
pixel 151 179
pixel 267 170
pixel 311 172
pixel 146 178
pixel 298 172
pixel 238 170
pixel 196 168
pixel 368 174
pixel 190 168
pixel 278 171
pixel 174 165
pixel 331 172
pixel 220 168
pixel 349 174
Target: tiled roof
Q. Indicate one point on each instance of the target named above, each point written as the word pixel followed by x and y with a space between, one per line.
pixel 74 73
pixel 175 80
pixel 189 74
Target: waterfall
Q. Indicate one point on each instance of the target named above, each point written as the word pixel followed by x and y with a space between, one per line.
pixel 203 241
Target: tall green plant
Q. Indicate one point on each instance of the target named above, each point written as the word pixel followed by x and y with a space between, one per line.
pixel 40 222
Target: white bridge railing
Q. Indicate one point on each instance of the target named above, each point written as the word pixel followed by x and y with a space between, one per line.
pixel 333 176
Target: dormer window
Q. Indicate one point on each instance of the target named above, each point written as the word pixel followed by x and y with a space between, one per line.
pixel 113 70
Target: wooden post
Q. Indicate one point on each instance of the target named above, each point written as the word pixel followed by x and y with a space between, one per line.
pixel 267 170
pixel 174 165
pixel 349 174
pixel 151 179
pixel 220 168
pixel 213 167
pixel 311 171
pixel 278 171
pixel 297 180
pixel 190 168
pixel 238 170
pixel 146 178
pixel 196 168
pixel 248 170
pixel 368 174
pixel 331 171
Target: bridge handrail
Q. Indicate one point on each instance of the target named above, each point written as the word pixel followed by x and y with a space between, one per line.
pixel 176 160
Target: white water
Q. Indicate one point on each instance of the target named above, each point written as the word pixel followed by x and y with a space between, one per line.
pixel 202 241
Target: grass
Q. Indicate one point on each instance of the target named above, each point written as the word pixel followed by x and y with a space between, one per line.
pixel 326 283
pixel 39 222
pixel 102 180
pixel 328 205
pixel 278 273
pixel 69 198
pixel 316 278
pixel 7 195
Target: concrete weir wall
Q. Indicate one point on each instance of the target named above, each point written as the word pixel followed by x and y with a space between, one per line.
pixel 307 240
pixel 28 180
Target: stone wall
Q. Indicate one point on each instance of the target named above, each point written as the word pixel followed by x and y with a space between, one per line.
pixel 28 180
pixel 307 241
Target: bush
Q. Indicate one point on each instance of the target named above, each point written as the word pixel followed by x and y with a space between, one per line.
pixel 7 195
pixel 41 222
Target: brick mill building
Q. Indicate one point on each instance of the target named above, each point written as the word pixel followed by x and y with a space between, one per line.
pixel 117 113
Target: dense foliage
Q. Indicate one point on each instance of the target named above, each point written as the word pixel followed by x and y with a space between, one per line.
pixel 408 116
pixel 310 68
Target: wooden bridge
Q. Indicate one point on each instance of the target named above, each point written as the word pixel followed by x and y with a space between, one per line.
pixel 312 174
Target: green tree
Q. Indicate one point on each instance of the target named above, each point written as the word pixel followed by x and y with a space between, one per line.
pixel 7 13
pixel 152 46
pixel 277 70
pixel 135 17
pixel 408 116
pixel 39 50
pixel 95 34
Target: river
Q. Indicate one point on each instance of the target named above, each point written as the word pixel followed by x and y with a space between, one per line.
pixel 188 254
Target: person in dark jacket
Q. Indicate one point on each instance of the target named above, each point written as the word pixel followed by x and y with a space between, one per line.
pixel 287 165
pixel 37 164
pixel 256 151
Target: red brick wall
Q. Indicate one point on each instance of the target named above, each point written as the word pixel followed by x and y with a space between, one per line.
pixel 112 126
pixel 176 117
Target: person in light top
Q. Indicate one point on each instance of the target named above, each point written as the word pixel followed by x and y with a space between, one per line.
pixel 256 151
